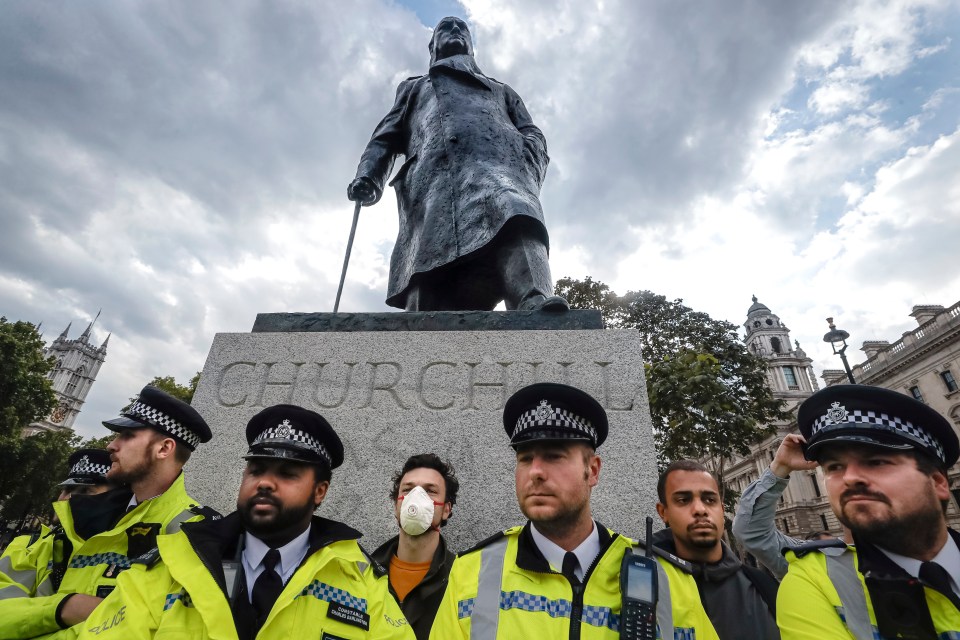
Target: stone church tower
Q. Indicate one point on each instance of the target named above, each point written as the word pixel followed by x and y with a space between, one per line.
pixel 77 364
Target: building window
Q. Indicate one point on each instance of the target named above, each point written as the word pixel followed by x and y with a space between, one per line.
pixel 823 521
pixel 786 526
pixel 915 392
pixel 791 377
pixel 948 380
pixel 816 486
pixel 775 344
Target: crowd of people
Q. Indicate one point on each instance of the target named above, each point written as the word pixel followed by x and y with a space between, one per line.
pixel 131 555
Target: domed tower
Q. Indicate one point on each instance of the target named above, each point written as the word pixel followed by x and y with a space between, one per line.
pixel 790 371
pixel 77 364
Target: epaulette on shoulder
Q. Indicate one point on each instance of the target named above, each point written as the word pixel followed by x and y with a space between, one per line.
pixel 485 543
pixel 148 559
pixel 378 569
pixel 208 513
pixel 803 548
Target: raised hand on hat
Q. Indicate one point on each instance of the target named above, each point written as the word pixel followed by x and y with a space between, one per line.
pixel 789 457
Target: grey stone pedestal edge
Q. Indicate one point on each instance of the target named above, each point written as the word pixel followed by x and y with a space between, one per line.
pixel 391 394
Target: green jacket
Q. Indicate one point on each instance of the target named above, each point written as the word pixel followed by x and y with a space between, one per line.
pixel 85 554
pixel 505 589
pixel 335 593
pixel 825 595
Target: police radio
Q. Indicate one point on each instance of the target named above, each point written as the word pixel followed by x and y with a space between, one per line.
pixel 638 593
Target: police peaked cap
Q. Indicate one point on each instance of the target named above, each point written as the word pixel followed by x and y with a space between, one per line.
pixel 551 411
pixel 861 414
pixel 164 413
pixel 293 433
pixel 87 467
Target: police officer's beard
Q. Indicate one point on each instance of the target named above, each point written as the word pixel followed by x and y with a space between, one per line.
pixel 284 518
pixel 910 534
pixel 131 473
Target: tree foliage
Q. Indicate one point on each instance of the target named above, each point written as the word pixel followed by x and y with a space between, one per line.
pixel 169 384
pixel 708 394
pixel 26 394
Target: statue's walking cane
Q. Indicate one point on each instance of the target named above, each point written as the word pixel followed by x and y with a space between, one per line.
pixel 346 258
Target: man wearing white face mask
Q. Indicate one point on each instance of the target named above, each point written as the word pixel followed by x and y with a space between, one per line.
pixel 424 493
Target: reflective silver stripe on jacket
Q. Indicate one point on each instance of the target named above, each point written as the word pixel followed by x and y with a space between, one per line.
pixel 174 525
pixel 843 575
pixel 664 606
pixel 486 609
pixel 25 578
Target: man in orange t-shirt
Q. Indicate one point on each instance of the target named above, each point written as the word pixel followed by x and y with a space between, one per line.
pixel 424 492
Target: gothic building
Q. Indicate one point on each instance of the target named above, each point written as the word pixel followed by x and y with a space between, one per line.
pixel 77 364
pixel 804 507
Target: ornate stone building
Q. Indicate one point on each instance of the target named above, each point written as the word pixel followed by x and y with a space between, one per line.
pixel 804 507
pixel 923 363
pixel 77 364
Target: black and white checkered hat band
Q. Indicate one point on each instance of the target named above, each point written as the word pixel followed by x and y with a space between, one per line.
pixel 884 422
pixel 163 422
pixel 301 438
pixel 86 468
pixel 546 416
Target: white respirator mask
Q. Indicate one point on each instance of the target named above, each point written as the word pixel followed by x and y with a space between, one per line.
pixel 416 511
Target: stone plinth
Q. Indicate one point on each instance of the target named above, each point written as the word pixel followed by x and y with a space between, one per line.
pixel 391 394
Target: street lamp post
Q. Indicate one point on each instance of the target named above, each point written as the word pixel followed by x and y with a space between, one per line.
pixel 839 337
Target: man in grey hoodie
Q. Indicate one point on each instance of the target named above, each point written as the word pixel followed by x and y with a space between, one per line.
pixel 739 600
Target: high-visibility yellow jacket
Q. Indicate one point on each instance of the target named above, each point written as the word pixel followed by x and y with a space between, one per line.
pixel 336 593
pixel 824 595
pixel 29 597
pixel 505 589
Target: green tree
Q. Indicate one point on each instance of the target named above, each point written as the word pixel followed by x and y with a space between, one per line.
pixel 708 394
pixel 39 463
pixel 26 394
pixel 169 384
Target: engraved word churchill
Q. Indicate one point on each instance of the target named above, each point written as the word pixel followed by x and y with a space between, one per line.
pixel 436 385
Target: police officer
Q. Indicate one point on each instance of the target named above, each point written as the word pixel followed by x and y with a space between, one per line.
pixel 271 569
pixel 65 575
pixel 884 457
pixel 87 475
pixel 557 576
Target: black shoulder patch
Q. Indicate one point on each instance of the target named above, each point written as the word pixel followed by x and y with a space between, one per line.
pixel 803 548
pixel 484 543
pixel 149 558
pixel 206 512
pixel 378 569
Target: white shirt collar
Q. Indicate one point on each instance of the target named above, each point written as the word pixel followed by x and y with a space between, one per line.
pixel 948 558
pixel 291 555
pixel 586 553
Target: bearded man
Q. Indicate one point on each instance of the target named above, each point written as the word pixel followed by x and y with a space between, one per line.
pixel 884 457
pixel 471 226
pixel 271 569
pixel 65 575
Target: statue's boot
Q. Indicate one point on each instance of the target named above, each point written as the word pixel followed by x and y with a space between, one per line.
pixel 540 302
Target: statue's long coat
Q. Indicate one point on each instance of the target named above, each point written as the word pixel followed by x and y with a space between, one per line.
pixel 473 161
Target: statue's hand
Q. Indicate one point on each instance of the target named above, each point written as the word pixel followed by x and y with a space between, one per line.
pixel 362 189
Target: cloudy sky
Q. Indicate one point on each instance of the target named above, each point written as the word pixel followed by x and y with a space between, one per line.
pixel 183 165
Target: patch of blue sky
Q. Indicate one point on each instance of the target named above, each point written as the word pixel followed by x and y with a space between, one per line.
pixel 430 12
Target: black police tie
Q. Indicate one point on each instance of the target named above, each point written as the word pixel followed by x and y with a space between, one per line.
pixel 938 578
pixel 268 586
pixel 569 568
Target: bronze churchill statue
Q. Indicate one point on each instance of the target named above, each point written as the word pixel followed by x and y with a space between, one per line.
pixel 471 226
